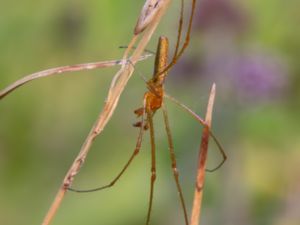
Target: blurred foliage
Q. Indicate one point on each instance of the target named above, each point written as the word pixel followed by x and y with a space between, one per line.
pixel 251 49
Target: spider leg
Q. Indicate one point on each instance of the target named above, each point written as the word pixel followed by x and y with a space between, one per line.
pixel 174 164
pixel 178 52
pixel 202 122
pixel 134 154
pixel 179 32
pixel 153 163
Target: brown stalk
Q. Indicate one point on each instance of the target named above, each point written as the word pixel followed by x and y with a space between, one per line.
pixel 198 194
pixel 117 86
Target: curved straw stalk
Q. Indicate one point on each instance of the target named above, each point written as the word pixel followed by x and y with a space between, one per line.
pixel 61 70
pixel 117 86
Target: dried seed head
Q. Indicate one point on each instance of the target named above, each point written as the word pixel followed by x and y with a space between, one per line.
pixel 148 13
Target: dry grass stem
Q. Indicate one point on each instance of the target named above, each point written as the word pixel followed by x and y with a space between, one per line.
pixel 117 86
pixel 196 210
pixel 61 70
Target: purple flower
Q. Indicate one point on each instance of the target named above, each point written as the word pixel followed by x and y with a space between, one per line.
pixel 259 77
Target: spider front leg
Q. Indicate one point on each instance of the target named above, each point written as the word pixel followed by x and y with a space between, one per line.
pixel 179 51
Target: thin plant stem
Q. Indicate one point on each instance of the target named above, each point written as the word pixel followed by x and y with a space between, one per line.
pixel 198 194
pixel 61 70
pixel 118 84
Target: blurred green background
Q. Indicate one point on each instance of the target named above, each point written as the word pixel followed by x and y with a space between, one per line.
pixel 251 49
